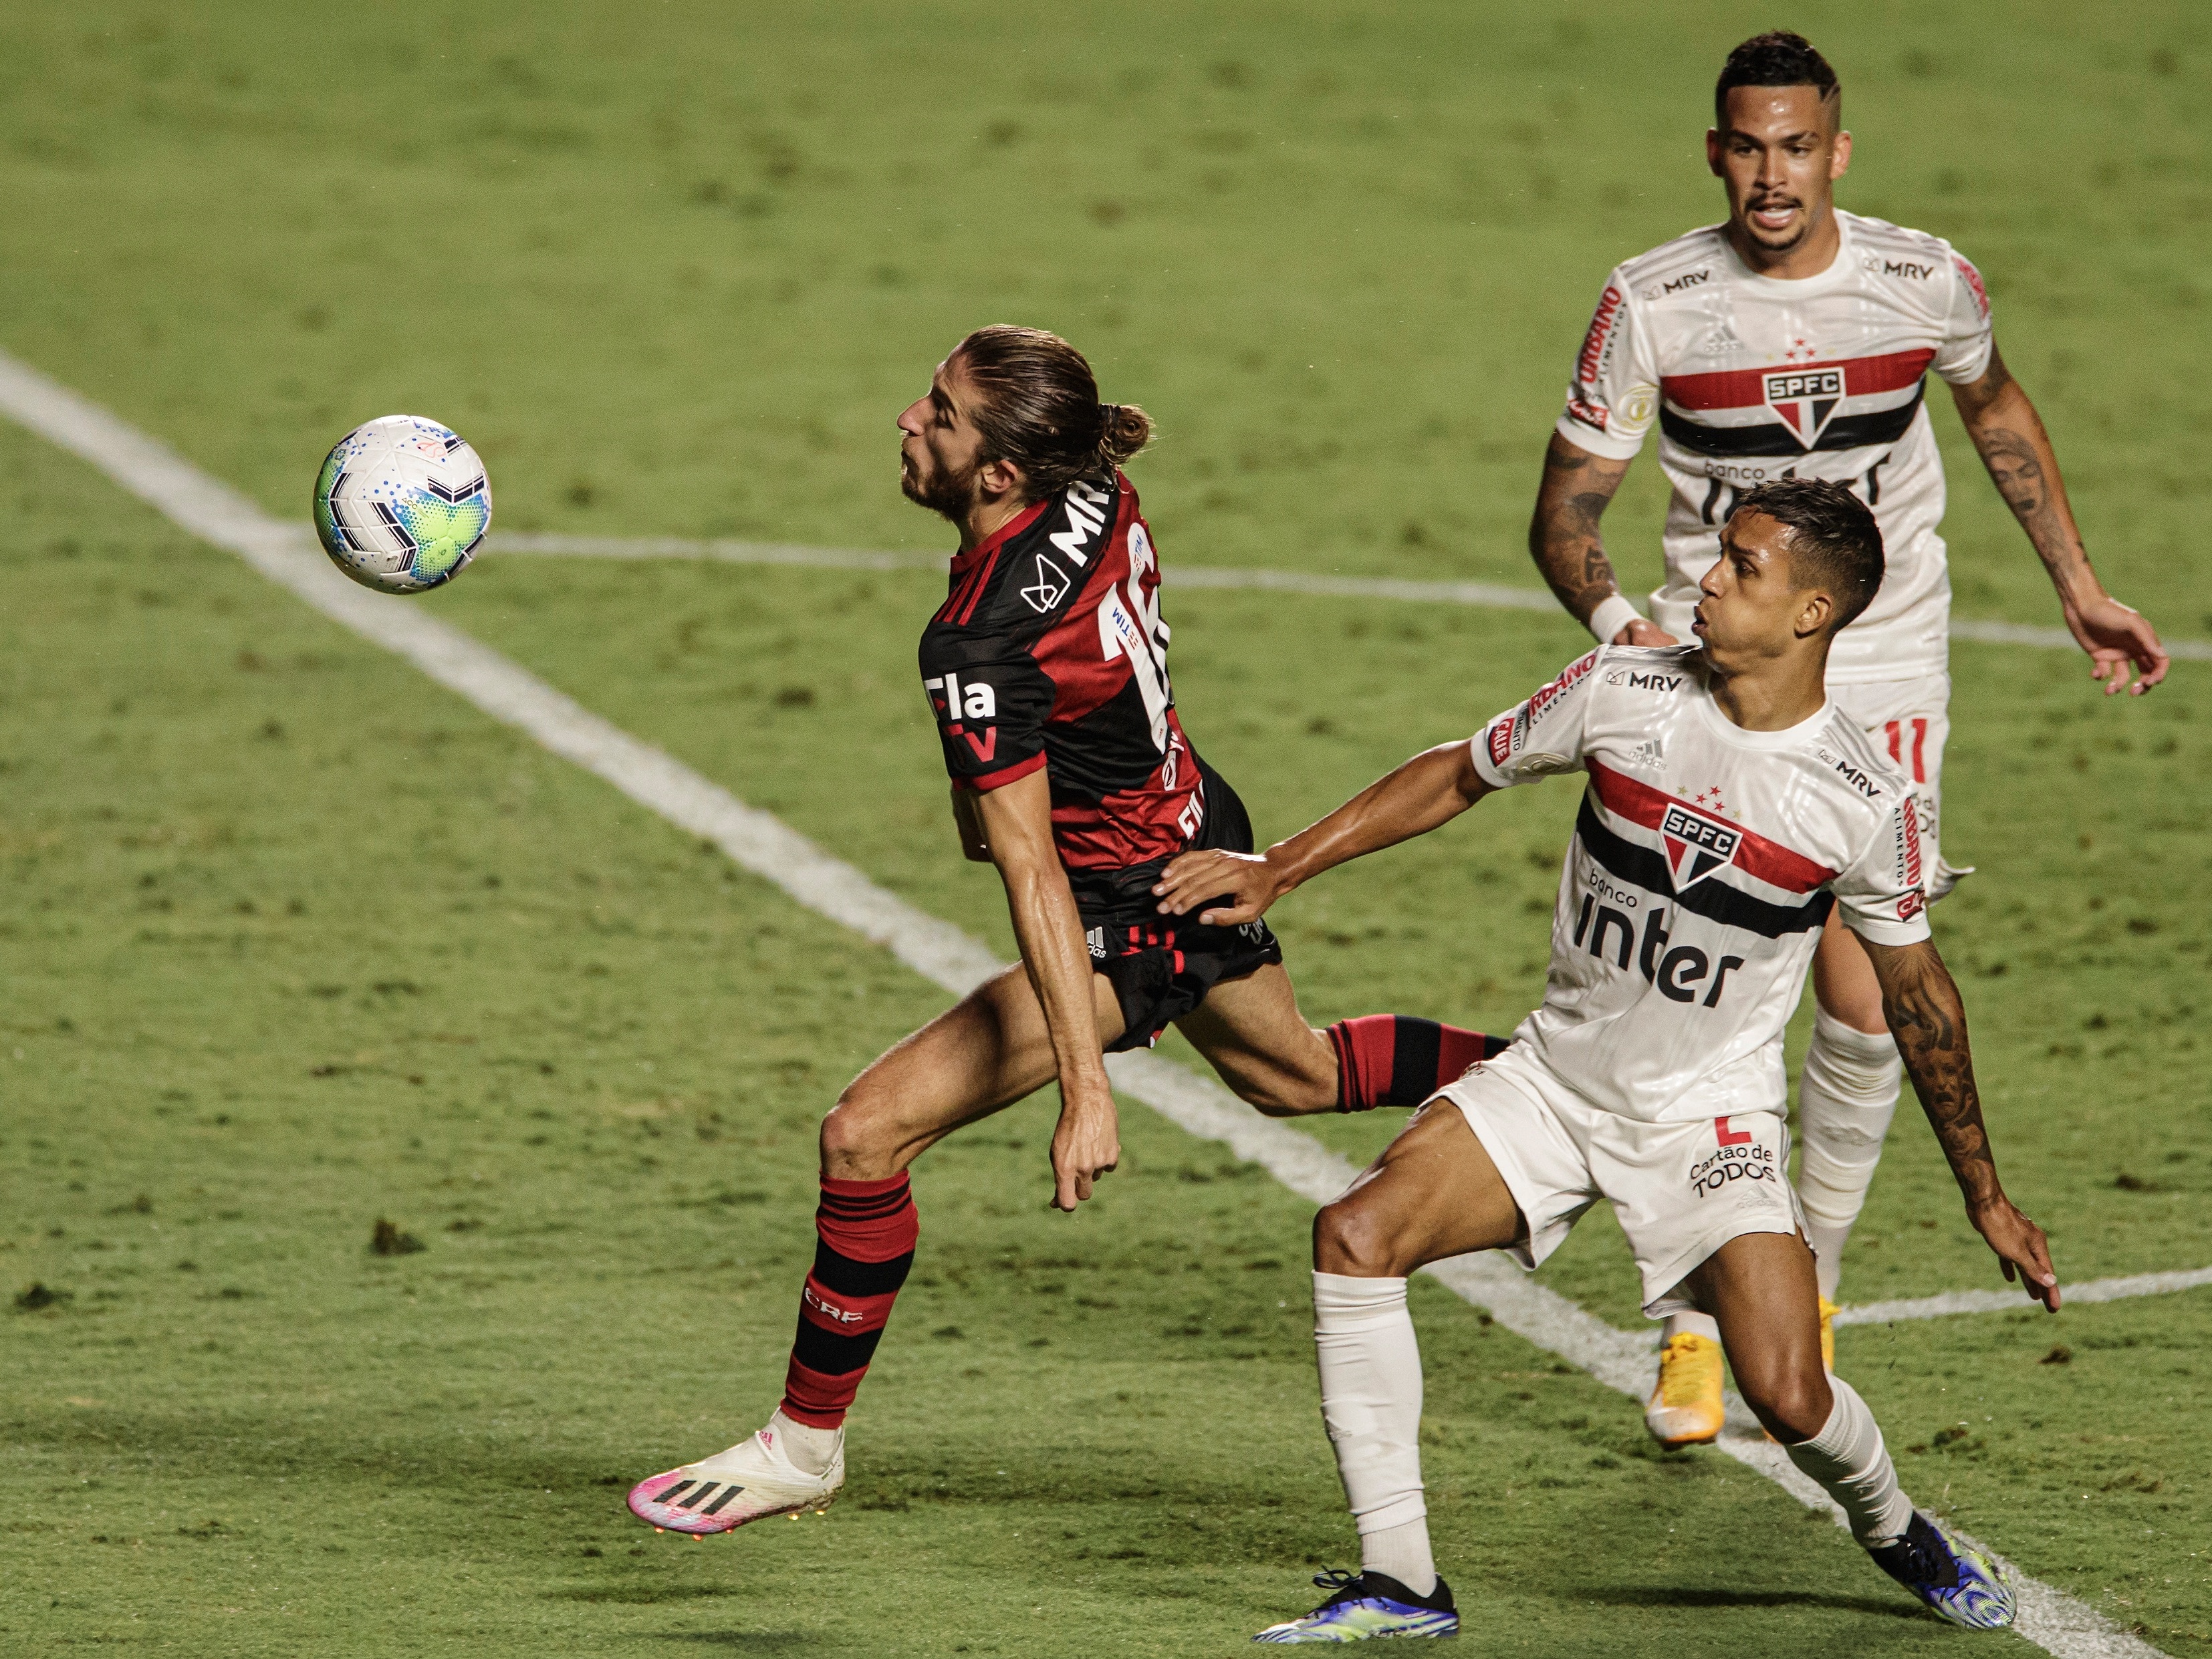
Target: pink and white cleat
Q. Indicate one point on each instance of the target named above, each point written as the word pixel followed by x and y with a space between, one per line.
pixel 751 1480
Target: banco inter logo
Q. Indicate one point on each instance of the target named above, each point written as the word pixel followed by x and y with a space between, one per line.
pixel 1696 845
pixel 1803 399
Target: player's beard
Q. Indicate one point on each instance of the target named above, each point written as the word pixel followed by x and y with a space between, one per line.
pixel 949 492
pixel 1767 243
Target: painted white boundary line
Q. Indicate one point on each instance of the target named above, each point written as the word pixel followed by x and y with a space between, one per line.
pixel 1490 595
pixel 287 555
pixel 1971 1302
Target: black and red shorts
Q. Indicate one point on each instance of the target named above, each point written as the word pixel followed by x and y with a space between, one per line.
pixel 1162 967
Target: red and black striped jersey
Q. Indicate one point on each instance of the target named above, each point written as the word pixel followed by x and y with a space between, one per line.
pixel 1049 652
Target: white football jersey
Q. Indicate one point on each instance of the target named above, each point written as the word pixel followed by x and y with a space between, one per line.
pixel 1704 862
pixel 1752 377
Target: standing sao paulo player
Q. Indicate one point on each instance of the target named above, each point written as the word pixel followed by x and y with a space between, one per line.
pixel 1046 670
pixel 1793 340
pixel 1733 808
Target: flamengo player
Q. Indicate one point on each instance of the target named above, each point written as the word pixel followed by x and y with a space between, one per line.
pixel 1731 808
pixel 1046 670
pixel 1793 341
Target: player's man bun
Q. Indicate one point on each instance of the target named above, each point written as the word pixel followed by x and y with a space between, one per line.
pixel 1037 406
pixel 1834 542
pixel 1776 58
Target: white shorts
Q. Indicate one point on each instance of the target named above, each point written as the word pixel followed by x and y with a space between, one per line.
pixel 1909 721
pixel 1682 1190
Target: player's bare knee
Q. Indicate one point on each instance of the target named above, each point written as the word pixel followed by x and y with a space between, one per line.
pixel 850 1139
pixel 1791 1402
pixel 1351 1240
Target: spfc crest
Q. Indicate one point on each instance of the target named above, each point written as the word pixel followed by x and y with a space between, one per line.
pixel 1803 399
pixel 1696 845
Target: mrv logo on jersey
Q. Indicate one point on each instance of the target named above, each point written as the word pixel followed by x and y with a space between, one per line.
pixel 1803 399
pixel 1696 845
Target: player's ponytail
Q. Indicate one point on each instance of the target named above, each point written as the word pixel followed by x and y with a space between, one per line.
pixel 1035 402
pixel 1124 430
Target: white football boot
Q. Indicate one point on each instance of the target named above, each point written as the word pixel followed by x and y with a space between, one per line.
pixel 751 1480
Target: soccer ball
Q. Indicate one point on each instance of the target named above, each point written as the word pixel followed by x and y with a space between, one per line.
pixel 401 504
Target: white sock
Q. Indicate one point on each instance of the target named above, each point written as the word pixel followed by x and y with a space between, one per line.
pixel 1851 1464
pixel 811 1450
pixel 1690 1323
pixel 1370 1398
pixel 1846 1096
pixel 1403 1553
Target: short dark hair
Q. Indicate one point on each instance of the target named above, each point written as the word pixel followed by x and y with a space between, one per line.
pixel 1037 406
pixel 1834 542
pixel 1776 58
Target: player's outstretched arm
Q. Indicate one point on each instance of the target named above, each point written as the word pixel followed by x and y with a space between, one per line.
pixel 1433 788
pixel 1569 547
pixel 2009 435
pixel 1927 1017
pixel 975 846
pixel 1016 822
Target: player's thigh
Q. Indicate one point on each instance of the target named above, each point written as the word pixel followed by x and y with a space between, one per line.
pixel 1844 979
pixel 1250 1031
pixel 1434 1193
pixel 988 1050
pixel 1762 1290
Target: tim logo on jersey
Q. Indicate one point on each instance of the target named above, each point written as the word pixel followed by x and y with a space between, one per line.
pixel 1696 845
pixel 1804 399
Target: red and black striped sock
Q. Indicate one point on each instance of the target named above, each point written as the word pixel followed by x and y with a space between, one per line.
pixel 864 1235
pixel 1396 1060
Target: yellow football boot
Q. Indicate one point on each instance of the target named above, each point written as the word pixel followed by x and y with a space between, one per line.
pixel 1686 1408
pixel 1828 1312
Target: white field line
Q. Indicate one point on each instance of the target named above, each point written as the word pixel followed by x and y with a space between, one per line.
pixel 940 952
pixel 1969 1302
pixel 1490 595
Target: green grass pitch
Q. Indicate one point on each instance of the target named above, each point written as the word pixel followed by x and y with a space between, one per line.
pixel 293 941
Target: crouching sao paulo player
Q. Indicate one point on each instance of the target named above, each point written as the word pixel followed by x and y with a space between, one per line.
pixel 1046 668
pixel 1730 807
pixel 1795 339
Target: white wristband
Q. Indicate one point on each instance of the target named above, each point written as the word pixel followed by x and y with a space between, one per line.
pixel 1609 618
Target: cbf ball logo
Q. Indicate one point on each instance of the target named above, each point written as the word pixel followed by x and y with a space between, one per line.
pixel 1741 1157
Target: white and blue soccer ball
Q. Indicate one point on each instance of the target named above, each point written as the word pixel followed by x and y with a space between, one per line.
pixel 401 504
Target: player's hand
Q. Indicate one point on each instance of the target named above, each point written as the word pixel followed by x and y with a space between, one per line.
pixel 1246 880
pixel 1087 1143
pixel 2117 637
pixel 1641 632
pixel 2021 1249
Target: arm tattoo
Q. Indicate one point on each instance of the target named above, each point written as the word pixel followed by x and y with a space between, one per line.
pixel 1930 1022
pixel 2017 471
pixel 2014 447
pixel 1564 539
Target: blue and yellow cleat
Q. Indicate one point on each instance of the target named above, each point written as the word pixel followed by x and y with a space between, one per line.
pixel 1364 1605
pixel 1959 1584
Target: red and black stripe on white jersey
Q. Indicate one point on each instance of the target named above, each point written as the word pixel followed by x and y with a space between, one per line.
pixel 1706 859
pixel 1756 884
pixel 1049 652
pixel 1750 377
pixel 1849 402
